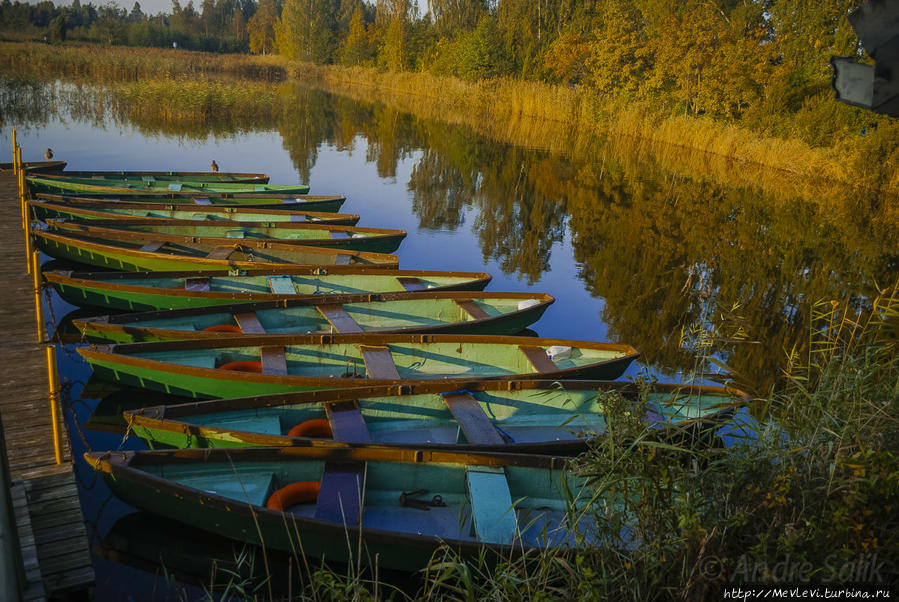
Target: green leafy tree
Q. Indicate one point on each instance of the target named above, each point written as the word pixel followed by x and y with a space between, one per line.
pixel 306 30
pixel 261 28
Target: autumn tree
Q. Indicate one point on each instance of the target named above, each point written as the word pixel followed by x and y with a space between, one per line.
pixel 306 30
pixel 261 28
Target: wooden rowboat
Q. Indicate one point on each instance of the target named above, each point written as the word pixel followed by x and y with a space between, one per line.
pixel 62 184
pixel 375 240
pixel 455 313
pixel 38 166
pixel 247 365
pixel 142 291
pixel 141 177
pixel 92 209
pixel 395 507
pixel 184 200
pixel 140 252
pixel 553 417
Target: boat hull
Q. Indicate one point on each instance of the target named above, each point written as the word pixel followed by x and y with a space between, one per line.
pixel 190 368
pixel 148 291
pixel 324 203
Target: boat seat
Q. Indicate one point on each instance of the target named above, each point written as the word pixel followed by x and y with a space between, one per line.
pixel 196 284
pixel 152 247
pixel 343 259
pixel 339 318
pixel 249 323
pixel 475 424
pixel 340 496
pixel 412 284
pixel 347 423
pixel 281 285
pixel 539 360
pixel 220 253
pixel 379 362
pixel 473 309
pixel 273 360
pixel 493 516
pixel 202 201
pixel 175 187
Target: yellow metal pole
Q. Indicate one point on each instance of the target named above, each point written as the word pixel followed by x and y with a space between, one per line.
pixel 53 385
pixel 29 262
pixel 38 304
pixel 15 164
pixel 21 187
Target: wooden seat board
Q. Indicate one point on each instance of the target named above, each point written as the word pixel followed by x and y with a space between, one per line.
pixel 340 496
pixel 339 319
pixel 152 247
pixel 475 424
pixel 473 309
pixel 281 285
pixel 249 323
pixel 196 284
pixel 347 423
pixel 491 505
pixel 273 360
pixel 412 284
pixel 379 362
pixel 539 360
pixel 220 253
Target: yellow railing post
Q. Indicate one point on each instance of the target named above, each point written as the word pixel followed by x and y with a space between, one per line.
pixel 53 386
pixel 29 261
pixel 22 187
pixel 15 164
pixel 38 304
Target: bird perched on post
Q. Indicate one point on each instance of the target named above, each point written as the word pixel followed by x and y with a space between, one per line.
pixel 49 154
pixel 214 166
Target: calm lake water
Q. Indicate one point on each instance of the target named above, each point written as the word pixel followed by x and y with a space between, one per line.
pixel 677 254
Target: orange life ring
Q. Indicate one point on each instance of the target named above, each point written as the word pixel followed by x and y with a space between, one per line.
pixel 224 328
pixel 317 427
pixel 243 366
pixel 301 492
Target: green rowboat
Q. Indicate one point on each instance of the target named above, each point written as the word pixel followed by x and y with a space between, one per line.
pixel 456 313
pixel 143 291
pixel 192 200
pixel 553 417
pixel 141 177
pixel 143 252
pixel 42 167
pixel 103 210
pixel 375 240
pixel 246 365
pixel 392 507
pixel 61 184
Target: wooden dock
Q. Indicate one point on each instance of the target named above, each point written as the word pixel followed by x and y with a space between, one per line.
pixel 51 529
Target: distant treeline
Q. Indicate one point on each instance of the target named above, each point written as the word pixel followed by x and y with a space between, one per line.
pixel 762 63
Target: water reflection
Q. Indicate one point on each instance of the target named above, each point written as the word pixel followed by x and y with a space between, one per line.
pixel 672 242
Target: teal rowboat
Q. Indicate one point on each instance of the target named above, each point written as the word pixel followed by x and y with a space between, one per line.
pixel 456 313
pixel 143 252
pixel 375 240
pixel 143 291
pixel 245 365
pixel 394 507
pixel 43 167
pixel 140 177
pixel 521 416
pixel 90 209
pixel 192 200
pixel 62 184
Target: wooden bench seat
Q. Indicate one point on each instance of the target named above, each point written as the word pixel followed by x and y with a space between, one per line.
pixel 340 496
pixel 152 247
pixel 274 361
pixel 249 323
pixel 539 360
pixel 379 362
pixel 347 423
pixel 339 318
pixel 473 309
pixel 412 284
pixel 196 284
pixel 476 426
pixel 281 285
pixel 492 514
pixel 220 253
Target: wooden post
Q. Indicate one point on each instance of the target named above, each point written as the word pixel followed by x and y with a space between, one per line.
pixel 53 386
pixel 38 304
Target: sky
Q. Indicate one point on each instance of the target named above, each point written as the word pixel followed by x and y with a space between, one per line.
pixel 149 7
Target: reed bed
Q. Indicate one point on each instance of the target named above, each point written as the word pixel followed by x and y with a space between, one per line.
pixel 97 63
